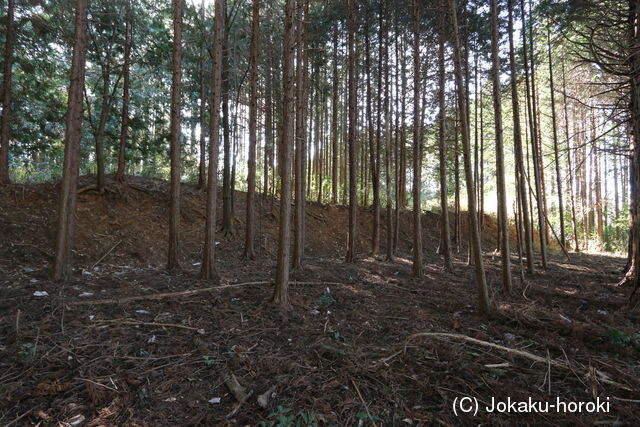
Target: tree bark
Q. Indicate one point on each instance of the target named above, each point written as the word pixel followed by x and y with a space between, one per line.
pixel 281 289
pixel 7 75
pixel 483 294
pixel 124 120
pixel 300 138
pixel 445 247
pixel 174 191
pixel 208 270
pixel 249 251
pixel 417 146
pixel 371 138
pixel 352 129
pixel 68 188
pixel 500 172
pixel 202 166
pixel 534 143
pixel 334 120
pixel 228 228
pixel 521 182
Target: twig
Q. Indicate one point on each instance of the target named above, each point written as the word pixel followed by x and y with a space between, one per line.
pixel 159 325
pixel 15 421
pixel 366 407
pixel 18 323
pixel 105 255
pixel 162 295
pixel 98 384
pixel 187 293
pixel 601 376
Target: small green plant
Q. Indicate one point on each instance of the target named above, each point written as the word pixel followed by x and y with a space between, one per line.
pixel 325 300
pixel 284 417
pixel 27 349
pixel 208 361
pixel 496 373
pixel 366 417
pixel 619 337
pixel 143 397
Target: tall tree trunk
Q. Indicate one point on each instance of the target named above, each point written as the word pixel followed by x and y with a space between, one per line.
pixel 281 289
pixel 388 147
pixel 268 129
pixel 202 166
pixel 534 143
pixel 352 129
pixel 104 115
pixel 228 228
pixel 403 134
pixel 7 74
pixel 300 137
pixel 555 145
pixel 521 182
pixel 483 294
pixel 174 191
pixel 73 133
pixel 569 166
pixel 417 146
pixel 124 119
pixel 500 173
pixel 334 120
pixel 208 270
pixel 249 251
pixel 445 247
pixel 371 138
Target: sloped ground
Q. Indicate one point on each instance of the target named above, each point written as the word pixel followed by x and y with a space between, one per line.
pixel 340 357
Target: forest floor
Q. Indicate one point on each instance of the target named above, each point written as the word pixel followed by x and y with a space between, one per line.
pixel 106 349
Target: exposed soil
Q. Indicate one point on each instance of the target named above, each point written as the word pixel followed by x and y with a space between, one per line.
pixel 341 356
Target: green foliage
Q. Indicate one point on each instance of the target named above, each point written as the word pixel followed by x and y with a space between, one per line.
pixel 618 337
pixel 365 417
pixel 284 417
pixel 325 300
pixel 208 361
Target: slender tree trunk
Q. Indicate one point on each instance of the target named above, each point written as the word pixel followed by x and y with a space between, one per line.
pixel 521 183
pixel 483 294
pixel 334 120
pixel 371 138
pixel 202 166
pixel 249 251
pixel 500 172
pixel 456 166
pixel 104 115
pixel 352 141
pixel 555 146
pixel 209 252
pixel 176 78
pixel 281 289
pixel 445 247
pixel 534 144
pixel 73 133
pixel 417 146
pixel 569 166
pixel 228 228
pixel 124 119
pixel 403 130
pixel 300 138
pixel 7 74
pixel 268 129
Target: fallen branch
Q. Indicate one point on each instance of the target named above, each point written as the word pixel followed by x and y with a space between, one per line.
pixel 126 300
pixel 153 324
pixel 162 295
pixel 601 376
pixel 106 254
pixel 366 407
